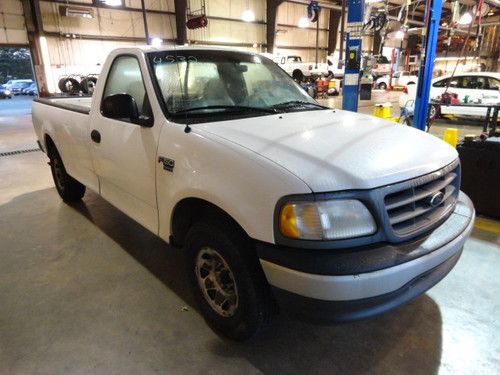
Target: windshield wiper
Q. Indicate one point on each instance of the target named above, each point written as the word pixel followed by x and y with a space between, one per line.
pixel 227 108
pixel 297 103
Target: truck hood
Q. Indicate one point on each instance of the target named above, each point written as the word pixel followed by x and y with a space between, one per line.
pixel 334 150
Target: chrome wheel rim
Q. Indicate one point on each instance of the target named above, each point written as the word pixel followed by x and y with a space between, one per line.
pixel 432 112
pixel 59 173
pixel 216 281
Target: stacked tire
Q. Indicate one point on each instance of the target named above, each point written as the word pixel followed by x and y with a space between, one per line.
pixel 72 86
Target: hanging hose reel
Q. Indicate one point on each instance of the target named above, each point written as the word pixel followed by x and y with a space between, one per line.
pixel 313 10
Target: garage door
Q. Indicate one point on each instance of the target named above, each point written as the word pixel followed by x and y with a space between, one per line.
pixel 12 24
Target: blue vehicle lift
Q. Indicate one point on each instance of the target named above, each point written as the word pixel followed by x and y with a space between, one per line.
pixel 353 58
pixel 355 11
pixel 432 18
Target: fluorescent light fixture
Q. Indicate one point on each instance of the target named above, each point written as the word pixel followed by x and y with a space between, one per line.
pixel 399 34
pixel 303 22
pixel 466 19
pixel 76 11
pixel 156 42
pixel 113 3
pixel 248 16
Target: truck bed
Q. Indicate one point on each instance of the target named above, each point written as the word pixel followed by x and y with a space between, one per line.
pixel 79 104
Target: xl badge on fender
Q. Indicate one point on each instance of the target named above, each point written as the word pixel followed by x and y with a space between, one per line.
pixel 168 164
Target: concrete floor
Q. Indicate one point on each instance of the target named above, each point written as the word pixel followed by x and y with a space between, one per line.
pixel 86 290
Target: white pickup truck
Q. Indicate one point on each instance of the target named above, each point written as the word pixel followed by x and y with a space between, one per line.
pixel 273 197
pixel 398 79
pixel 298 69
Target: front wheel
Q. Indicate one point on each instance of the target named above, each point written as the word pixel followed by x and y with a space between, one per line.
pixel 227 280
pixel 433 112
pixel 69 189
pixel 382 86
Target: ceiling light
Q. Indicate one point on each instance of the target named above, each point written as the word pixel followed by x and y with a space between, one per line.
pixel 248 16
pixel 303 22
pixel 113 3
pixel 399 34
pixel 76 11
pixel 156 42
pixel 466 19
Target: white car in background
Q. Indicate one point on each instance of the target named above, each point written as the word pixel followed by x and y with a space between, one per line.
pixel 477 87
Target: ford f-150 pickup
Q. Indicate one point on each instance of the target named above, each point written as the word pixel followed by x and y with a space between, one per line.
pixel 273 197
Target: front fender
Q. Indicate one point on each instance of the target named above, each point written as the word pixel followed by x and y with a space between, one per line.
pixel 242 183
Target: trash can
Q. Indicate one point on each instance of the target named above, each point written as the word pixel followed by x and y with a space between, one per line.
pixel 480 180
pixel 382 110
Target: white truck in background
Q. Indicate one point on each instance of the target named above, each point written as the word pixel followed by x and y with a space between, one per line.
pixel 275 199
pixel 402 78
pixel 298 70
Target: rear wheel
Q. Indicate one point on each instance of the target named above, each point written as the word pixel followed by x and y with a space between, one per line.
pixel 227 280
pixel 298 75
pixel 382 86
pixel 69 189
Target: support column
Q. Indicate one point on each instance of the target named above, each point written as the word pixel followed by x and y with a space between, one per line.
pixel 271 12
pixel 34 27
pixel 342 30
pixel 353 56
pixel 333 30
pixel 377 40
pixel 180 21
pixel 432 18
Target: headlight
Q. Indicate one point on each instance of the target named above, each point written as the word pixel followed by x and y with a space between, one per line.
pixel 326 220
pixel 7 92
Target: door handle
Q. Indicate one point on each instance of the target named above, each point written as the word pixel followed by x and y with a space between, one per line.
pixel 95 136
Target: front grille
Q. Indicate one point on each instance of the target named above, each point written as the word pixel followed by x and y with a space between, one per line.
pixel 410 207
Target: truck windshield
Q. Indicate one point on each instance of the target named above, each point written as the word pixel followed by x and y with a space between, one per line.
pixel 211 82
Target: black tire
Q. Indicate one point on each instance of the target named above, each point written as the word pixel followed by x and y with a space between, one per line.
pixel 434 112
pixel 88 84
pixel 250 306
pixel 382 86
pixel 69 189
pixel 298 75
pixel 69 85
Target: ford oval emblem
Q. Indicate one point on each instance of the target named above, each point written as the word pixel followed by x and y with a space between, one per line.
pixel 436 199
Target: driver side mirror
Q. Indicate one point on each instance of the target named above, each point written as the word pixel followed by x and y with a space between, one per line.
pixel 123 106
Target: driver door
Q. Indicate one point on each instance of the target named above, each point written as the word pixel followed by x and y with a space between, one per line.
pixel 124 153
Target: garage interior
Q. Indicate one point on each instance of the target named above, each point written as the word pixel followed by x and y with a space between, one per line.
pixel 84 289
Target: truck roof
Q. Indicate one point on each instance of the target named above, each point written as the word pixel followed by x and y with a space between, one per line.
pixel 172 47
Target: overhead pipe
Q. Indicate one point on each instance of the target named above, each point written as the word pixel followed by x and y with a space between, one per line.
pixel 322 4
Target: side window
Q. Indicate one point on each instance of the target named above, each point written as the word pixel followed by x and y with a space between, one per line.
pixel 493 83
pixel 456 82
pixel 469 82
pixel 441 83
pixel 481 83
pixel 125 78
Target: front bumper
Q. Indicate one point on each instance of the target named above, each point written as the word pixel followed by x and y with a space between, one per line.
pixel 374 279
